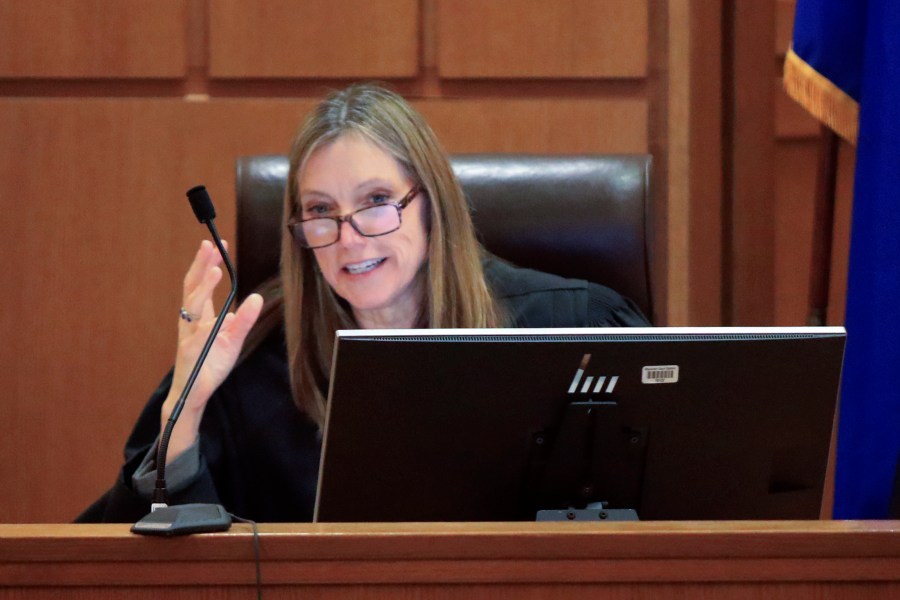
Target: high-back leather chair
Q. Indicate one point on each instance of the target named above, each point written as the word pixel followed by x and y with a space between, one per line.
pixel 583 217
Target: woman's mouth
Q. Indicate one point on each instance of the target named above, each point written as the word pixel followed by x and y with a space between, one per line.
pixel 364 266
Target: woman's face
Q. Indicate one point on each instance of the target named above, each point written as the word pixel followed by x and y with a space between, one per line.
pixel 376 275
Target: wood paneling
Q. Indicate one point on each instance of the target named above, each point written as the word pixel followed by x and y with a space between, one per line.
pixel 313 38
pixel 821 560
pixel 840 249
pixel 92 38
pixel 695 169
pixel 784 25
pixel 750 166
pixel 678 251
pixel 97 234
pixel 795 176
pixel 658 85
pixel 535 38
pixel 528 125
pixel 791 120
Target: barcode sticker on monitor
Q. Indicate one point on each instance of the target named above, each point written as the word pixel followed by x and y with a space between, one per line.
pixel 660 374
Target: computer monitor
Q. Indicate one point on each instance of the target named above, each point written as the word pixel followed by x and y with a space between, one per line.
pixel 495 425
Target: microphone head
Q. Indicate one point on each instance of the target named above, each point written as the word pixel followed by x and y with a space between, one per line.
pixel 201 203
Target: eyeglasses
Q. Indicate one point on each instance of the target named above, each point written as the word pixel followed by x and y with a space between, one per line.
pixel 370 221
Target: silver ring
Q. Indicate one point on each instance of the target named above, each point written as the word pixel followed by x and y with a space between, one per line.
pixel 186 315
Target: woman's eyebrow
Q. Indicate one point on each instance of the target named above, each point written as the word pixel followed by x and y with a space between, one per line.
pixel 372 182
pixel 305 193
pixel 375 181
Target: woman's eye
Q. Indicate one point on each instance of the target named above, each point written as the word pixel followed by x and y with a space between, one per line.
pixel 379 198
pixel 317 209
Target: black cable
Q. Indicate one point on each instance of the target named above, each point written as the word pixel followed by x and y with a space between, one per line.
pixel 256 552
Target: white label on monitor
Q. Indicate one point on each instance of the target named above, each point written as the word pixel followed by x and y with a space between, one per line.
pixel 660 374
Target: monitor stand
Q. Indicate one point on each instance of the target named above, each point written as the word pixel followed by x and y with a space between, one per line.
pixel 595 511
pixel 594 458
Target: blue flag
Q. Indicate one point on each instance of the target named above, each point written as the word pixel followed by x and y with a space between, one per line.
pixel 844 67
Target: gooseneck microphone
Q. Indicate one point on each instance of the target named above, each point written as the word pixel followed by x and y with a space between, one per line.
pixel 189 518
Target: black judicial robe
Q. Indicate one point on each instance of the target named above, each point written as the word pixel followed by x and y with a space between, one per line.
pixel 259 455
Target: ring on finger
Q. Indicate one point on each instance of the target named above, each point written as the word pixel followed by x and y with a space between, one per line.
pixel 187 315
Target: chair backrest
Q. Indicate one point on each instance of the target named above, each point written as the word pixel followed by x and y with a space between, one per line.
pixel 584 217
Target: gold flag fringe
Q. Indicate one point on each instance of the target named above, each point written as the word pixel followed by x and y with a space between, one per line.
pixel 824 100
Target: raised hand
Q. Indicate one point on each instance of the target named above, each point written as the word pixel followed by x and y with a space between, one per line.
pixel 194 326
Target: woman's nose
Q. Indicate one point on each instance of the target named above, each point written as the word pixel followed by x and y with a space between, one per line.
pixel 349 235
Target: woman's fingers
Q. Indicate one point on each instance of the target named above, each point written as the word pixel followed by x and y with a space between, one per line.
pixel 199 300
pixel 201 279
pixel 238 323
pixel 206 257
pixel 245 316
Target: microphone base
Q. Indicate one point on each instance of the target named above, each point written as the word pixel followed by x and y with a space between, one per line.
pixel 184 519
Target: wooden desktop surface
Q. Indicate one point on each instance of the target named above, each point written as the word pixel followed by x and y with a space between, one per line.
pixel 729 560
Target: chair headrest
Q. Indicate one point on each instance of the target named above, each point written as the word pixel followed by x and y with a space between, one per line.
pixel 584 217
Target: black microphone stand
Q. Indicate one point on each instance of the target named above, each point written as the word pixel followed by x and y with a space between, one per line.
pixel 189 518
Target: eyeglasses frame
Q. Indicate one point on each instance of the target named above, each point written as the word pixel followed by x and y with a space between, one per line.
pixel 400 204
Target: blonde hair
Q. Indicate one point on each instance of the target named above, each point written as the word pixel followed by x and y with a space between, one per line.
pixel 456 294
